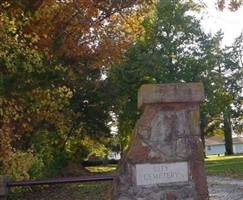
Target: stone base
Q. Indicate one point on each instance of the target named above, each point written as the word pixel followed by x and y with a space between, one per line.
pixel 124 187
pixel 165 159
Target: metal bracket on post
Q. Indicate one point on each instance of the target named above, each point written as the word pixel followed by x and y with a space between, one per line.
pixel 3 187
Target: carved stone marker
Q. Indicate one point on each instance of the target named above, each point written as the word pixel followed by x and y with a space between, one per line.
pixel 147 174
pixel 165 159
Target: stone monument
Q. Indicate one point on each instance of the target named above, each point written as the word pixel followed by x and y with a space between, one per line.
pixel 165 159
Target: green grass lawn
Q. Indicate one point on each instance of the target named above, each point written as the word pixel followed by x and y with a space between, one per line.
pixel 94 190
pixel 225 165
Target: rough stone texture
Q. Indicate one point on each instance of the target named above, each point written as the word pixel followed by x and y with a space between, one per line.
pixel 174 92
pixel 167 132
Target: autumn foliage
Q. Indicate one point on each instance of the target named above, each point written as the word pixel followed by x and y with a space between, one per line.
pixel 57 104
pixel 52 58
pixel 232 5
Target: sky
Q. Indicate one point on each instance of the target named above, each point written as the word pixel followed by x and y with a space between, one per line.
pixel 230 22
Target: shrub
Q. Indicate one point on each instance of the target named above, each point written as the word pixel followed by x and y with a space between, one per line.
pixel 23 166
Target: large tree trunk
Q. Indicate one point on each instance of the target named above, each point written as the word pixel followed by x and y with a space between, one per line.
pixel 202 127
pixel 228 136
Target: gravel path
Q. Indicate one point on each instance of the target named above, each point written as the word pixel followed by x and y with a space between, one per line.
pixel 225 188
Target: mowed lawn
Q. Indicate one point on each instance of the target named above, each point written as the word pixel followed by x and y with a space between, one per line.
pixel 225 165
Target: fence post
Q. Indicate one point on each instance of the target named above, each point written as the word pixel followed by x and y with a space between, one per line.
pixel 3 187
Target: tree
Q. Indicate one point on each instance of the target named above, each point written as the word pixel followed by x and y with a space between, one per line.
pixel 234 83
pixel 217 97
pixel 225 94
pixel 173 48
pixel 53 54
pixel 31 97
pixel 168 51
pixel 84 32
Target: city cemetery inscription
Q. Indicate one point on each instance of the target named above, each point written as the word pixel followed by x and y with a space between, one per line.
pixel 165 159
pixel 147 174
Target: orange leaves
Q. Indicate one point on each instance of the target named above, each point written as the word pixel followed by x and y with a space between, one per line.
pixel 233 5
pixel 5 4
pixel 47 53
pixel 97 29
pixel 13 118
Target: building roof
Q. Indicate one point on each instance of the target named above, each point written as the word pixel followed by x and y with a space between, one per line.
pixel 238 140
pixel 214 141
pixel 218 141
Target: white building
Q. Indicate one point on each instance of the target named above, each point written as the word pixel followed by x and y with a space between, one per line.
pixel 216 145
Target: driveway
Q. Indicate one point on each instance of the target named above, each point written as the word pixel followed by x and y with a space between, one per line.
pixel 225 188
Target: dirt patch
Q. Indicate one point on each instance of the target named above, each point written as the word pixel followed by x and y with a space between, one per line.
pixel 74 170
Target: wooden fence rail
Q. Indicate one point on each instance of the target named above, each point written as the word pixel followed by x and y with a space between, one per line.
pixel 5 184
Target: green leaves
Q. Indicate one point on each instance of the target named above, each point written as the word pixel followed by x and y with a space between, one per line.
pixel 168 51
pixel 174 48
